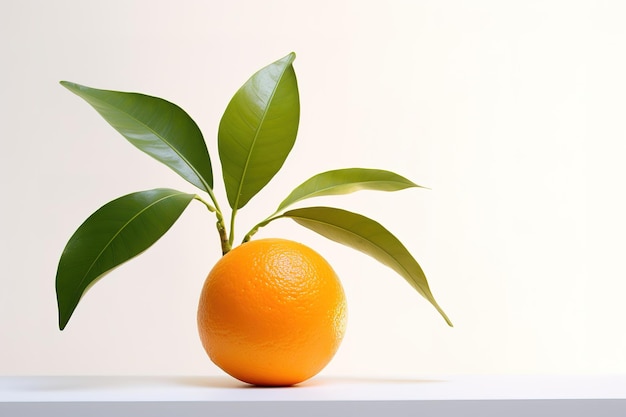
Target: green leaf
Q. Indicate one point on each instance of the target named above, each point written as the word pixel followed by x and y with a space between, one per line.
pixel 369 237
pixel 115 233
pixel 157 127
pixel 345 181
pixel 258 130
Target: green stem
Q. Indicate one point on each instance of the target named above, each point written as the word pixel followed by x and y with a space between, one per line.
pixel 231 239
pixel 256 228
pixel 214 200
pixel 251 233
pixel 226 246
pixel 221 227
pixel 208 206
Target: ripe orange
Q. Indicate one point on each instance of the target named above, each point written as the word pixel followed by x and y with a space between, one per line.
pixel 272 312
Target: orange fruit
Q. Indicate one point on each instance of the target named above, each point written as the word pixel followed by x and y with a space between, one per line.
pixel 272 312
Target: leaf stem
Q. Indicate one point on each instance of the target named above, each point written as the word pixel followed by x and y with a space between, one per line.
pixel 256 228
pixel 231 238
pixel 208 206
pixel 221 227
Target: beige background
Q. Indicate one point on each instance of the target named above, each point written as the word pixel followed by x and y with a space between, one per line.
pixel 511 112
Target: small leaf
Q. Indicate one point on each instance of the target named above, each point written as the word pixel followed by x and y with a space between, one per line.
pixel 345 181
pixel 258 130
pixel 155 126
pixel 115 233
pixel 369 237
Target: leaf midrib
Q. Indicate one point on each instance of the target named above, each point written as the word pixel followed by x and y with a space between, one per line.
pixel 425 291
pixel 80 284
pixel 180 155
pixel 155 133
pixel 256 136
pixel 319 192
pixel 374 244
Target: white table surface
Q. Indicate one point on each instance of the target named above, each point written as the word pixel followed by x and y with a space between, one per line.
pixel 441 396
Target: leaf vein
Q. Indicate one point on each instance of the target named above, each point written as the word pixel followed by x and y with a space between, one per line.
pixel 110 242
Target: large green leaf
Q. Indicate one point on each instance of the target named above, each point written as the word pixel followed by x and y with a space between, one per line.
pixel 345 181
pixel 258 130
pixel 157 127
pixel 369 237
pixel 115 233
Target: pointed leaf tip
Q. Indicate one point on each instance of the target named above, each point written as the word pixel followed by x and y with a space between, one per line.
pixel 155 126
pixel 258 130
pixel 367 236
pixel 346 181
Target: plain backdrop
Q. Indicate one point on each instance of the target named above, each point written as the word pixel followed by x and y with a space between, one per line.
pixel 512 113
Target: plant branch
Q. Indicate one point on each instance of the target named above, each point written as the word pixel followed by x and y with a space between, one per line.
pixel 256 228
pixel 221 227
